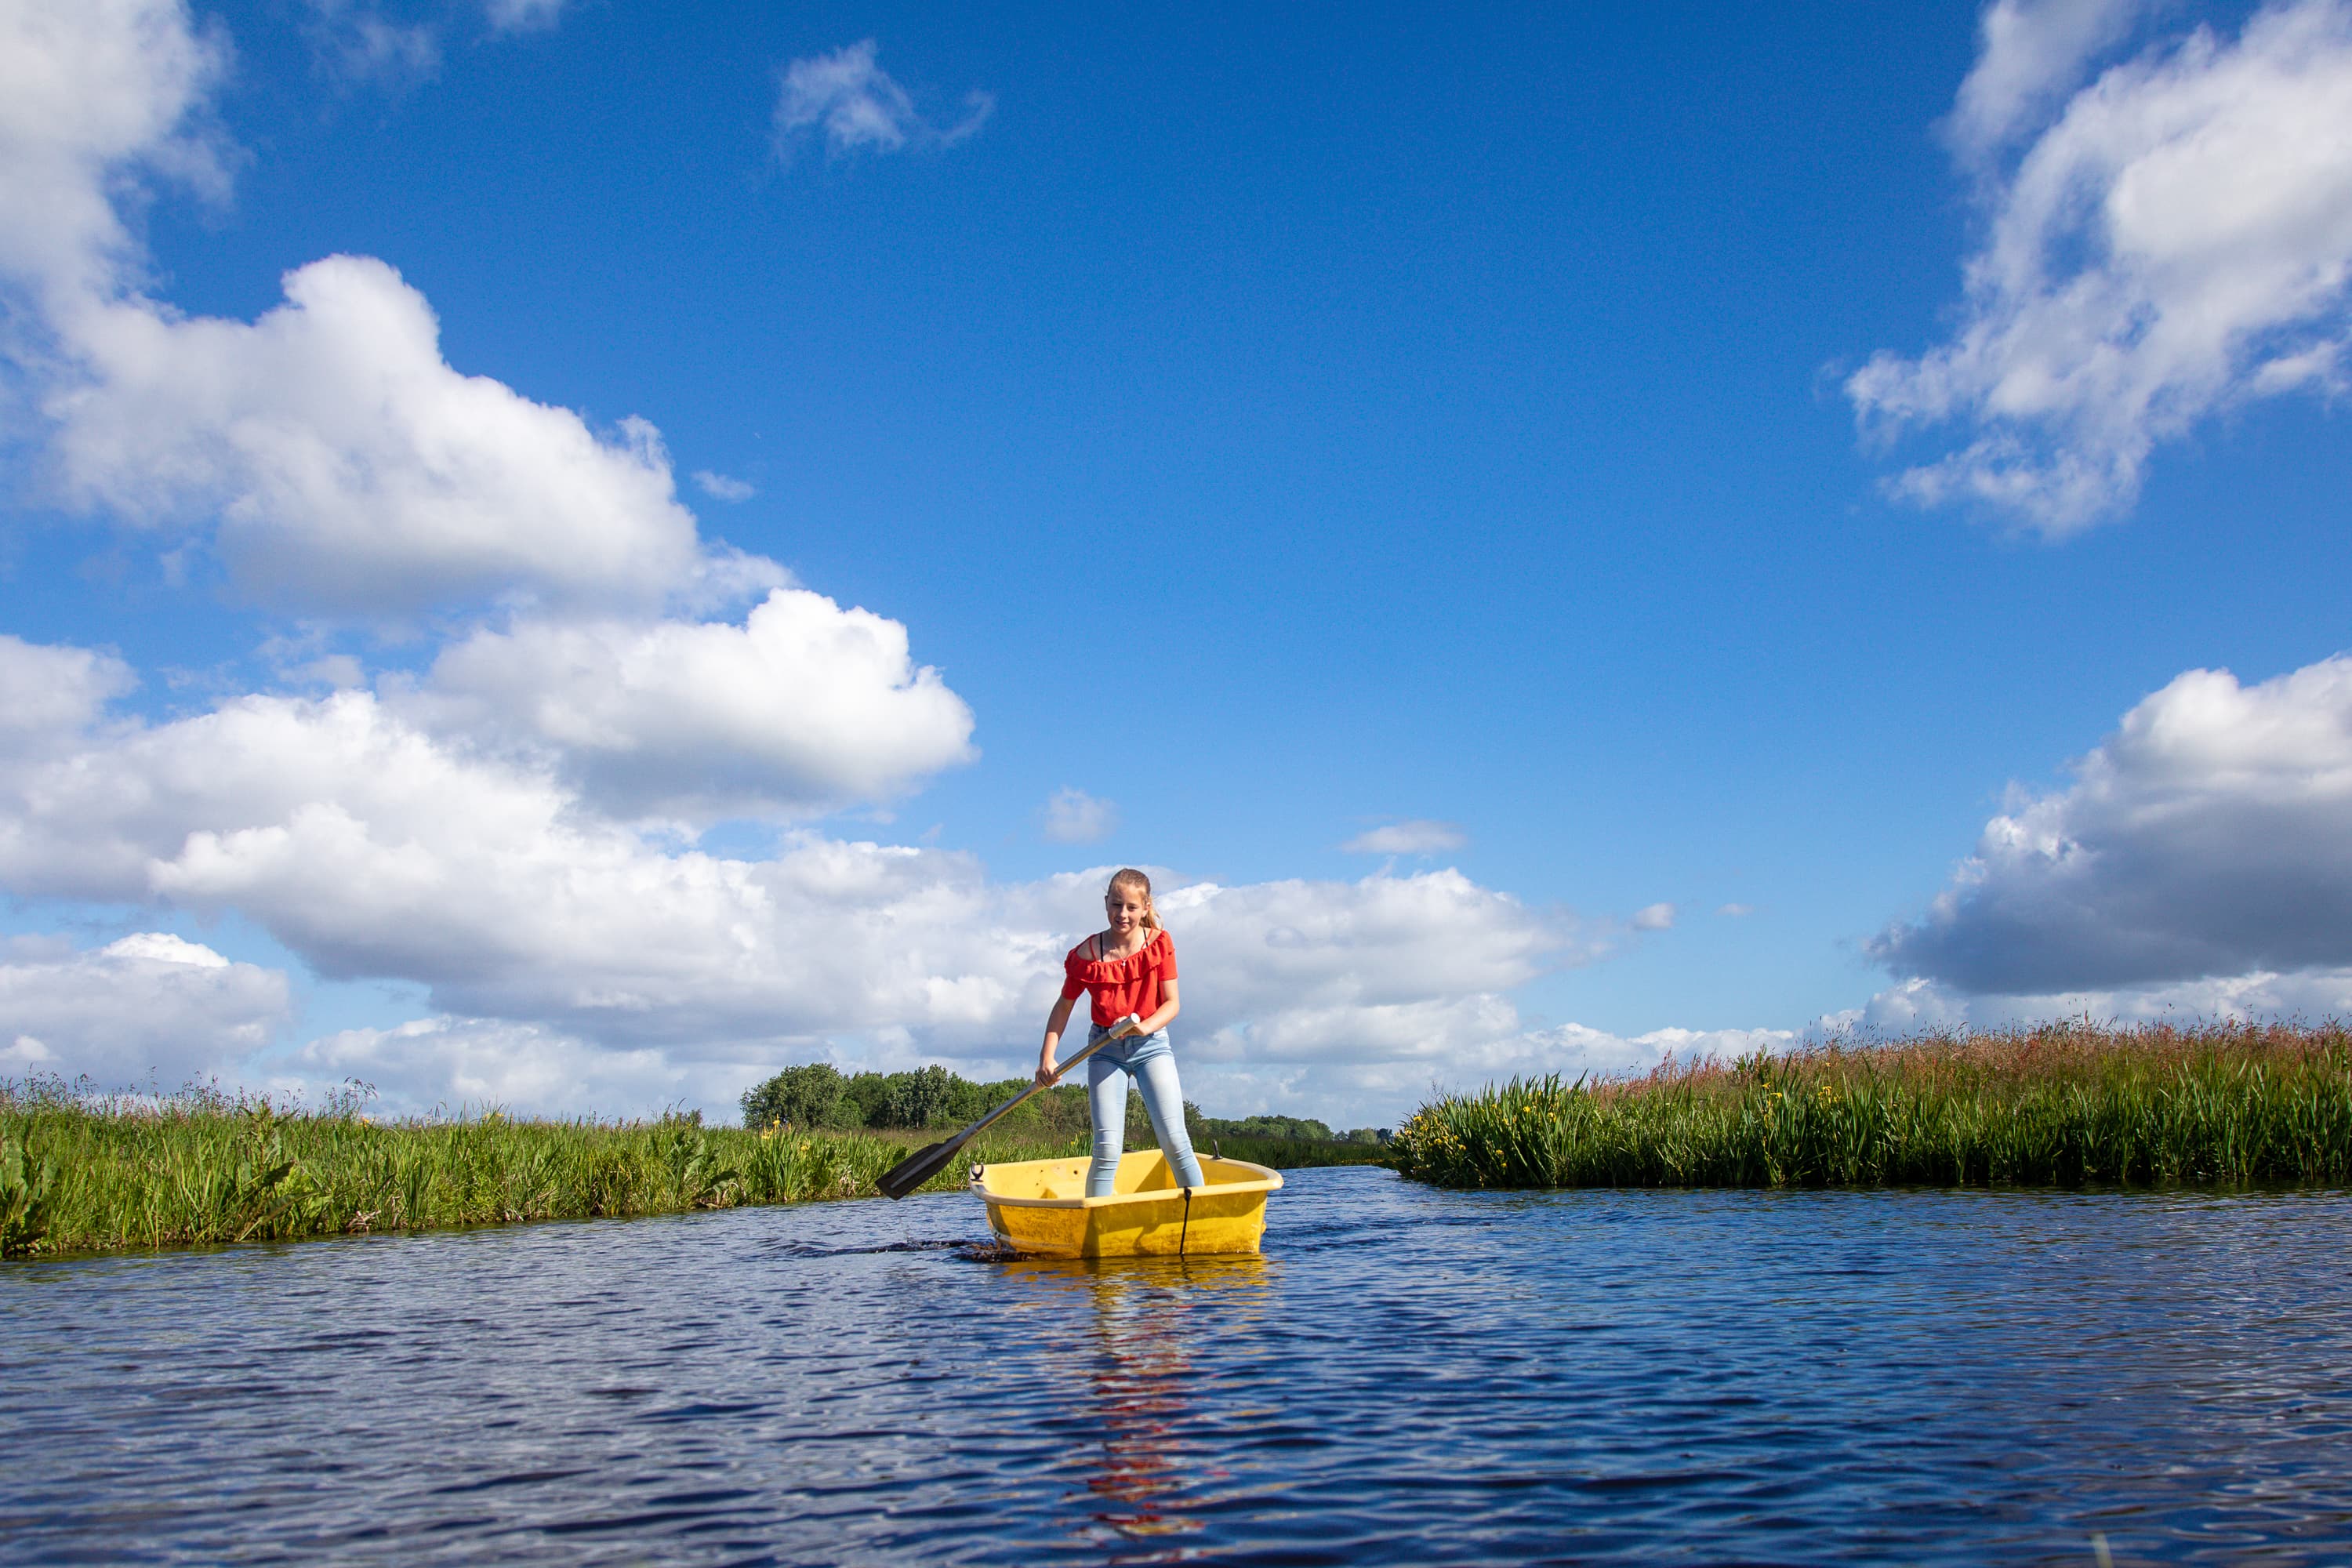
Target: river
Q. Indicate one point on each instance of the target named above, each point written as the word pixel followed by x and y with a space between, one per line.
pixel 1406 1377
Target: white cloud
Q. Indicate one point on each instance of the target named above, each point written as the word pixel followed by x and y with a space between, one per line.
pixel 1305 1066
pixel 2178 242
pixel 581 965
pixel 2210 836
pixel 1384 941
pixel 2032 54
pixel 355 40
pixel 521 15
pixel 858 107
pixel 1653 917
pixel 2257 995
pixel 1357 990
pixel 1908 1007
pixel 1416 837
pixel 456 1063
pixel 1351 1000
pixel 1737 912
pixel 305 657
pixel 94 95
pixel 341 466
pixel 718 487
pixel 349 468
pixel 48 694
pixel 1074 817
pixel 340 463
pixel 152 1005
pixel 479 830
pixel 804 707
pixel 360 41
pixel 1479 1048
pixel 474 1064
pixel 371 849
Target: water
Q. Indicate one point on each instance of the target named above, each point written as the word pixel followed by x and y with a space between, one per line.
pixel 1406 1377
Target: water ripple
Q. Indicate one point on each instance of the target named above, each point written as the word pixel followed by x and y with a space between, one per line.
pixel 1406 1377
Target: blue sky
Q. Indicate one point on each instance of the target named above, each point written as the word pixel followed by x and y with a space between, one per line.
pixel 1709 483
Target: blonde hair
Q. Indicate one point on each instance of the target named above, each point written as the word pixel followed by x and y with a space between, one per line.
pixel 1135 879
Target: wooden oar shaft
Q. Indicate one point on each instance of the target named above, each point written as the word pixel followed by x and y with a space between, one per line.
pixel 920 1167
pixel 1021 1099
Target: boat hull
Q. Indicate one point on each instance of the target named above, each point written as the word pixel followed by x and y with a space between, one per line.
pixel 1038 1208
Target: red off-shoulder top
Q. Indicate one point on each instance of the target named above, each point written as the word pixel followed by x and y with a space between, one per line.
pixel 1120 985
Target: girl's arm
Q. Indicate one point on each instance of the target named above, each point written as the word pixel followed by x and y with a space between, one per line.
pixel 1160 1019
pixel 1054 1024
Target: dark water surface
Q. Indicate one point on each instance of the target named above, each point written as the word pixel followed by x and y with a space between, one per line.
pixel 1406 1377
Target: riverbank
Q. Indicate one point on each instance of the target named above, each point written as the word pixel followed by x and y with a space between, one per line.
pixel 91 1173
pixel 98 1173
pixel 2223 1105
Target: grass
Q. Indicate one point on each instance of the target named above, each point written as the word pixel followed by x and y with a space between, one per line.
pixel 81 1171
pixel 2224 1105
pixel 86 1172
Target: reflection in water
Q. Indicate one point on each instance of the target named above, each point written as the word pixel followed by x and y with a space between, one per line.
pixel 1408 1376
pixel 1135 1387
pixel 1149 1315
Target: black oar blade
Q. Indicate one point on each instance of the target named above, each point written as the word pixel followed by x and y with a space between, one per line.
pixel 917 1168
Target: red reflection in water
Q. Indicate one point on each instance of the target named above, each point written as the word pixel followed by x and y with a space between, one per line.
pixel 1150 1320
pixel 1136 1380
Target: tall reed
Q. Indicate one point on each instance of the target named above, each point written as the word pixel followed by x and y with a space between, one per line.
pixel 86 1172
pixel 2065 1104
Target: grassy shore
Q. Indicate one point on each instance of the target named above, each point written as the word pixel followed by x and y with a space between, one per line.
pixel 2223 1105
pixel 84 1173
pixel 81 1171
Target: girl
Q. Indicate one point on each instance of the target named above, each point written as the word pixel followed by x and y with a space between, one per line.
pixel 1130 968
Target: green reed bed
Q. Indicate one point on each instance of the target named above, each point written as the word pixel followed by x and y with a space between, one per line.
pixel 2070 1104
pixel 82 1172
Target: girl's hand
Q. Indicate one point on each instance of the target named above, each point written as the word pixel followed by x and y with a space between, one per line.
pixel 1047 1072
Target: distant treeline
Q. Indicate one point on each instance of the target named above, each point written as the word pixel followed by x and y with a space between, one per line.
pixel 1305 1130
pixel 818 1096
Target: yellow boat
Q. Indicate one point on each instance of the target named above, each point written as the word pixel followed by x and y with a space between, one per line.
pixel 1039 1208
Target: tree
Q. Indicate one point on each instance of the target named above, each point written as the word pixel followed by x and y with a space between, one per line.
pixel 866 1101
pixel 918 1098
pixel 803 1097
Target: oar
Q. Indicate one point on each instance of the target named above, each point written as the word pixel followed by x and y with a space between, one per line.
pixel 919 1167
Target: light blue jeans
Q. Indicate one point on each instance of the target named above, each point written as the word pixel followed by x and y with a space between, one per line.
pixel 1153 1062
